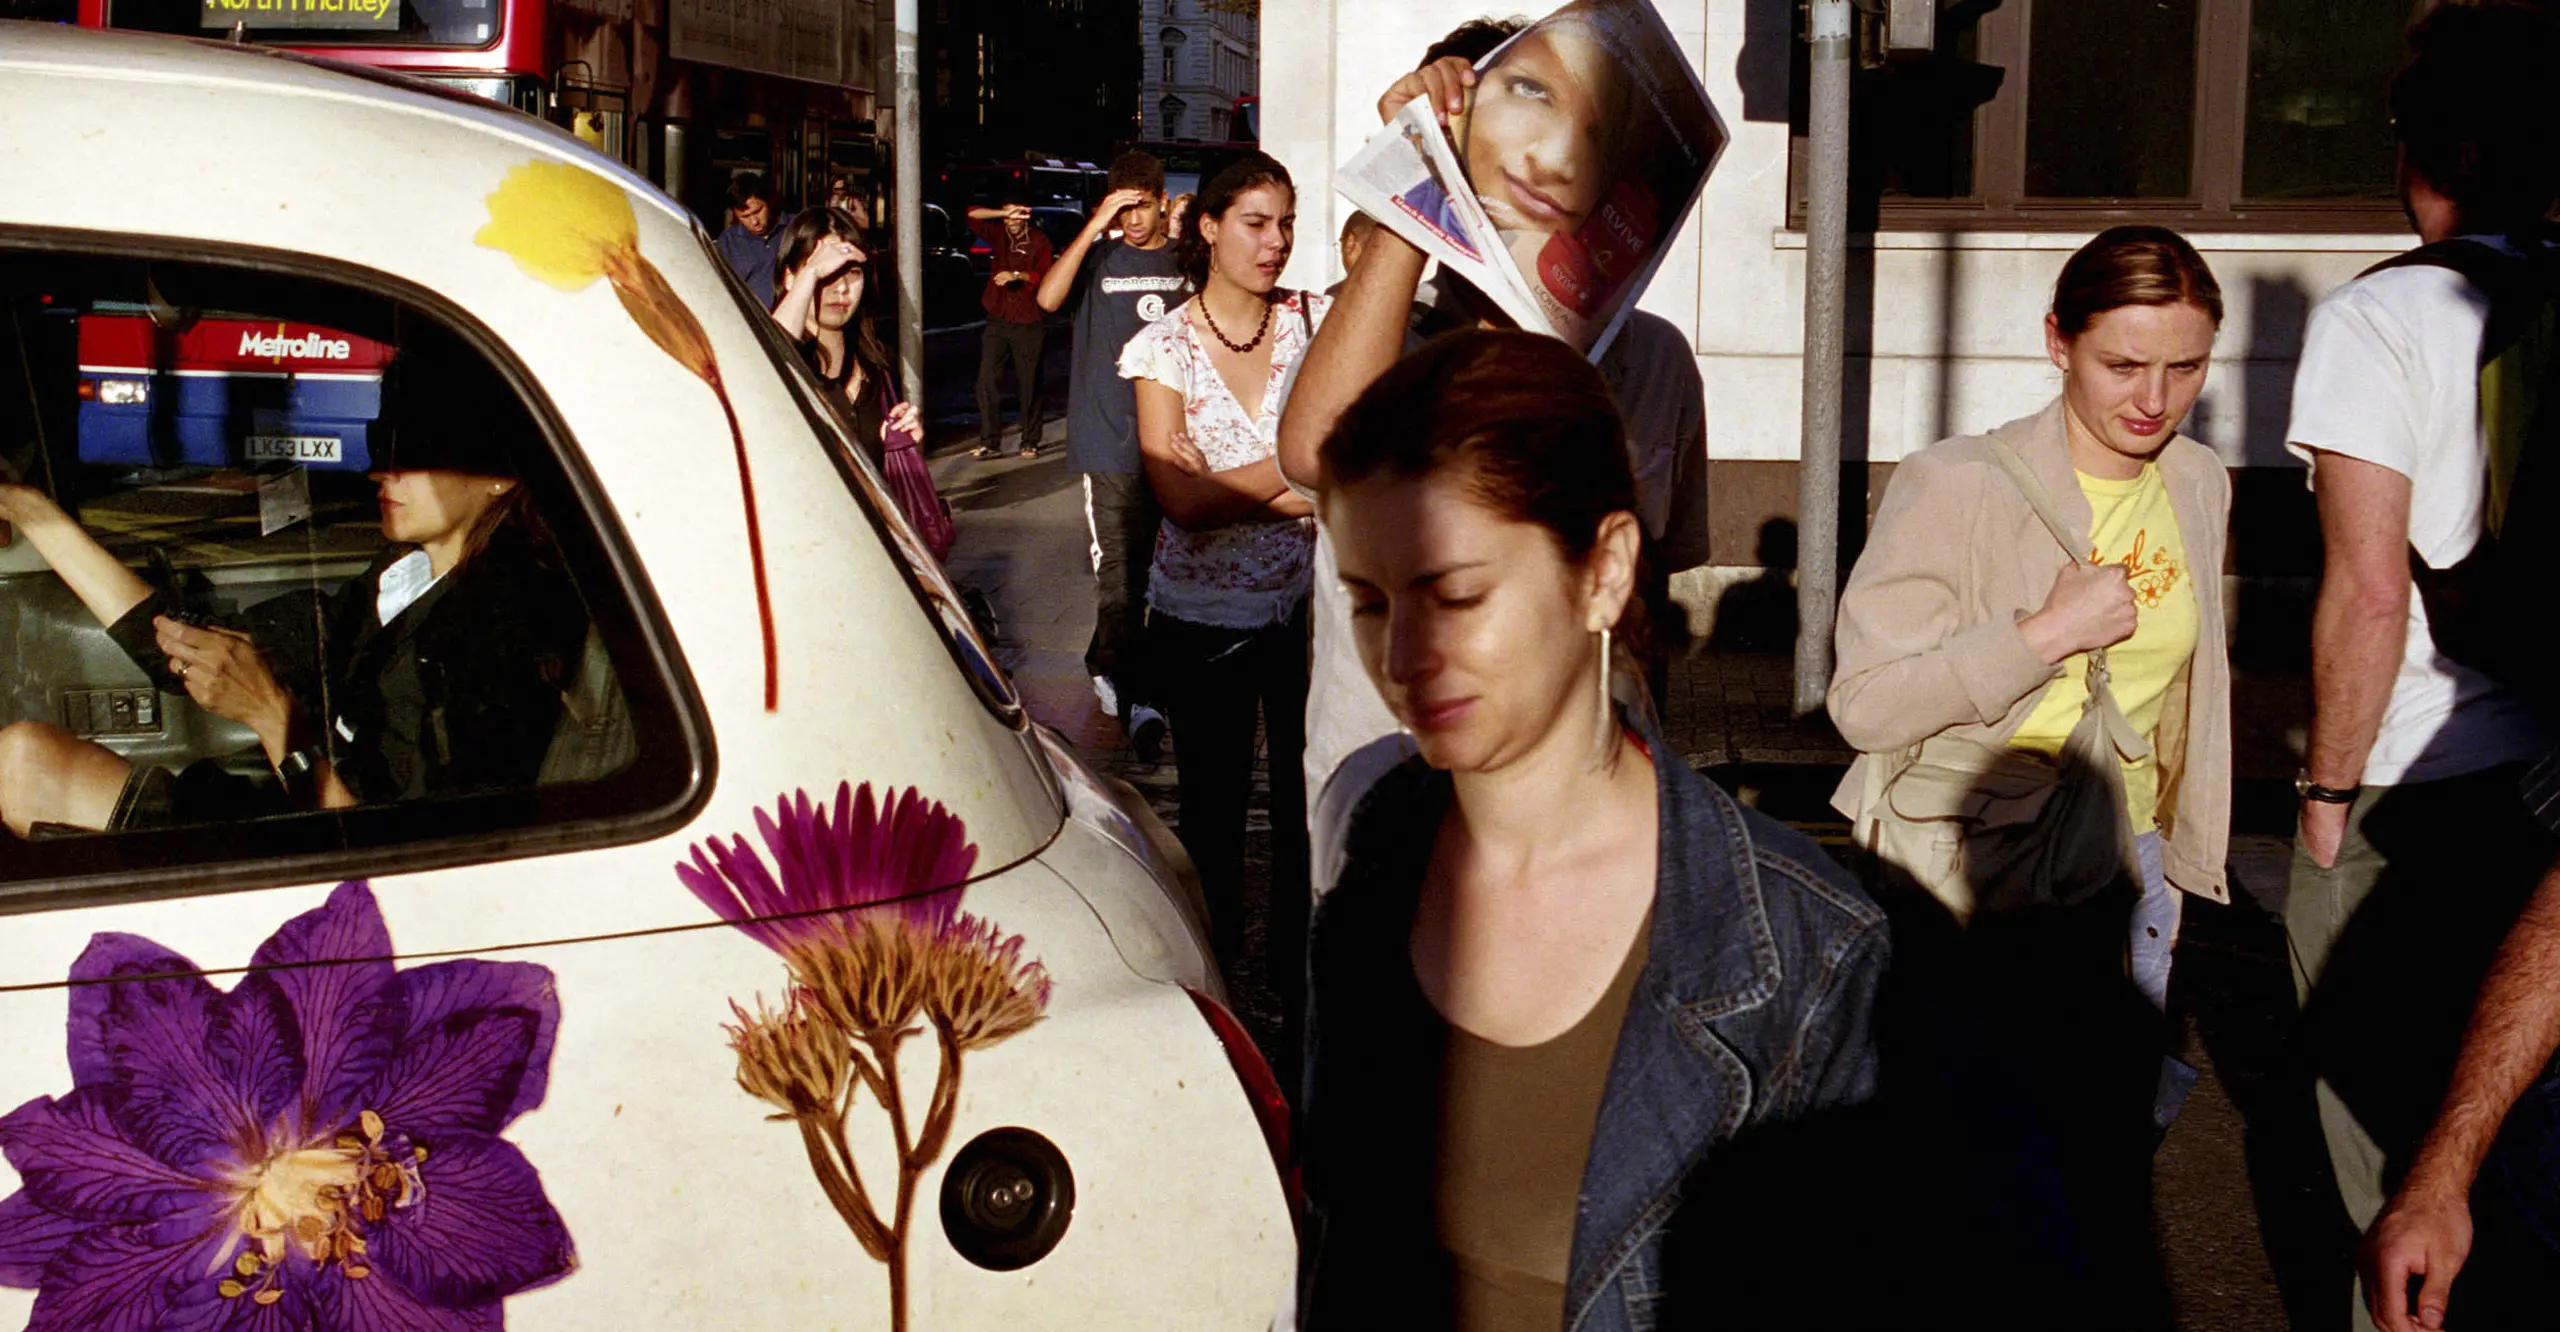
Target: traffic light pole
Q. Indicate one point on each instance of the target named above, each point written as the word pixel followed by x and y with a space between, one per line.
pixel 1826 252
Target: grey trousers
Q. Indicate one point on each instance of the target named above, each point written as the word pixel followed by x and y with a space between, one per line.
pixel 2389 947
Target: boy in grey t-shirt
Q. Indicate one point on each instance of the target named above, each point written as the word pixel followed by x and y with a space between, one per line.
pixel 1118 285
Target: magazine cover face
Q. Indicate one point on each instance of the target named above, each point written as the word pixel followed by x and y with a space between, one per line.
pixel 1586 141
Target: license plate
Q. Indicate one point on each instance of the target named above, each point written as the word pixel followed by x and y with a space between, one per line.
pixel 294 448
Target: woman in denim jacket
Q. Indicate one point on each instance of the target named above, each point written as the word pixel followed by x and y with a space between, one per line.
pixel 1577 1020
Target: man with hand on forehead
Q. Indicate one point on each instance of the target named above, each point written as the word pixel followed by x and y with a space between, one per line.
pixel 1017 325
pixel 1117 285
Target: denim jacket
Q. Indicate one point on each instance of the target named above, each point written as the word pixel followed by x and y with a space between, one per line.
pixel 1753 1012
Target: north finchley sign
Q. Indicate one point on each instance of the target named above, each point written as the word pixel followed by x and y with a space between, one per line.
pixel 339 14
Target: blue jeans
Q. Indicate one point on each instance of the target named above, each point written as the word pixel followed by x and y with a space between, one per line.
pixel 2155 924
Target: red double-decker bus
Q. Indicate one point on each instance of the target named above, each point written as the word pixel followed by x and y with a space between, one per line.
pixel 688 97
pixel 499 49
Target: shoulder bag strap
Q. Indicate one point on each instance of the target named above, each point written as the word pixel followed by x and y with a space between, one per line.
pixel 2120 732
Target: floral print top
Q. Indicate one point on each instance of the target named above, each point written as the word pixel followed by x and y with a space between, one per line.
pixel 1248 574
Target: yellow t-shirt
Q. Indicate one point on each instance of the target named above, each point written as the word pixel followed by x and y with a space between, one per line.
pixel 2131 525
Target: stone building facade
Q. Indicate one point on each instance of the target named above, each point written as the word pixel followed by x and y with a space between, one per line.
pixel 1199 58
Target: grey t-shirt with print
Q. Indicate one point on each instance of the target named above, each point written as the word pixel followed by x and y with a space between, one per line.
pixel 1119 291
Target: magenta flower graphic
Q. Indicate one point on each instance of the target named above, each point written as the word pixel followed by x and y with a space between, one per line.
pixel 866 916
pixel 867 854
pixel 316 1148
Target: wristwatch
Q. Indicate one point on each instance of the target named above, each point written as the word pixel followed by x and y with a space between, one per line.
pixel 2308 789
pixel 296 768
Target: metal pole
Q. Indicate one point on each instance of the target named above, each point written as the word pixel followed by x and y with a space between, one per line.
pixel 1826 256
pixel 910 203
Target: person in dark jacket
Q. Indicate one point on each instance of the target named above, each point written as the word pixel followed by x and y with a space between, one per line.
pixel 1587 1041
pixel 436 672
pixel 1017 327
pixel 751 242
pixel 825 279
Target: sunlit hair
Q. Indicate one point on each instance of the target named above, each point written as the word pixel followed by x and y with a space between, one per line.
pixel 800 240
pixel 1136 169
pixel 2132 266
pixel 2474 113
pixel 1525 420
pixel 1249 172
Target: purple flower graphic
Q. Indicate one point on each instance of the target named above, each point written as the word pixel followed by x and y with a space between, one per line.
pixel 862 982
pixel 315 1148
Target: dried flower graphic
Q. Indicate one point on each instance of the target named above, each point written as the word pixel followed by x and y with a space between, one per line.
pixel 865 913
pixel 567 227
pixel 793 1061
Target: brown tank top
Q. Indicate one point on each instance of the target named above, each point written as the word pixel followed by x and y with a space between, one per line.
pixel 1515 1132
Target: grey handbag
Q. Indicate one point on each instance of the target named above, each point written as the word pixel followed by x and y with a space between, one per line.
pixel 1990 828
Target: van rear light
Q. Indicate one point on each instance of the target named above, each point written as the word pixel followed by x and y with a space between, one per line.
pixel 1261 1090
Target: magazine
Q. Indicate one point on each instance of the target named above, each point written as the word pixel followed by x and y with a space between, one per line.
pixel 1585 142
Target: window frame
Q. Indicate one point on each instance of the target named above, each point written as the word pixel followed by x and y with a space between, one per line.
pixel 2215 201
pixel 671 778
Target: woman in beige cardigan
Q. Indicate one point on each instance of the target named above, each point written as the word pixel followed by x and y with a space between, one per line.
pixel 1965 617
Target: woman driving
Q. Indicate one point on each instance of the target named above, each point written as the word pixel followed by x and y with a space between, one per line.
pixel 438 671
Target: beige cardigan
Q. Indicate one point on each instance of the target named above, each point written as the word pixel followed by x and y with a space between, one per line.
pixel 1929 642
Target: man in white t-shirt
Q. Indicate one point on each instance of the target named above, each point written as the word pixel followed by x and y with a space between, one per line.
pixel 2415 851
pixel 1651 370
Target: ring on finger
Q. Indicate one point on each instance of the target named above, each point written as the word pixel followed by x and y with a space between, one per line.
pixel 182 670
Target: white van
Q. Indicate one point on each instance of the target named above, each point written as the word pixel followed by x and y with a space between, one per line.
pixel 599 881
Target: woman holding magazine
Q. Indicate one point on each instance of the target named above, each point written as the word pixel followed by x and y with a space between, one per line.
pixel 2031 662
pixel 1228 595
pixel 1587 1039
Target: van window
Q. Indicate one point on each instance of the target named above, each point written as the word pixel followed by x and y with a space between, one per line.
pixel 300 583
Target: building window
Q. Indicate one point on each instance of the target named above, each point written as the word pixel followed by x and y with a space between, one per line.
pixel 1172 108
pixel 2070 114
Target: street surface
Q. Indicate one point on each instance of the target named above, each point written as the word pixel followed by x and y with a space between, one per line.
pixel 2249 1234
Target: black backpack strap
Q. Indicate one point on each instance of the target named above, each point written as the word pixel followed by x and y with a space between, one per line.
pixel 2472 606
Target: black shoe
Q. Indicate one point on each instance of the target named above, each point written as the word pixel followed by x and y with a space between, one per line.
pixel 1146 732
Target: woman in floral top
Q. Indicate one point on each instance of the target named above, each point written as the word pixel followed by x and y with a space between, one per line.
pixel 1228 599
